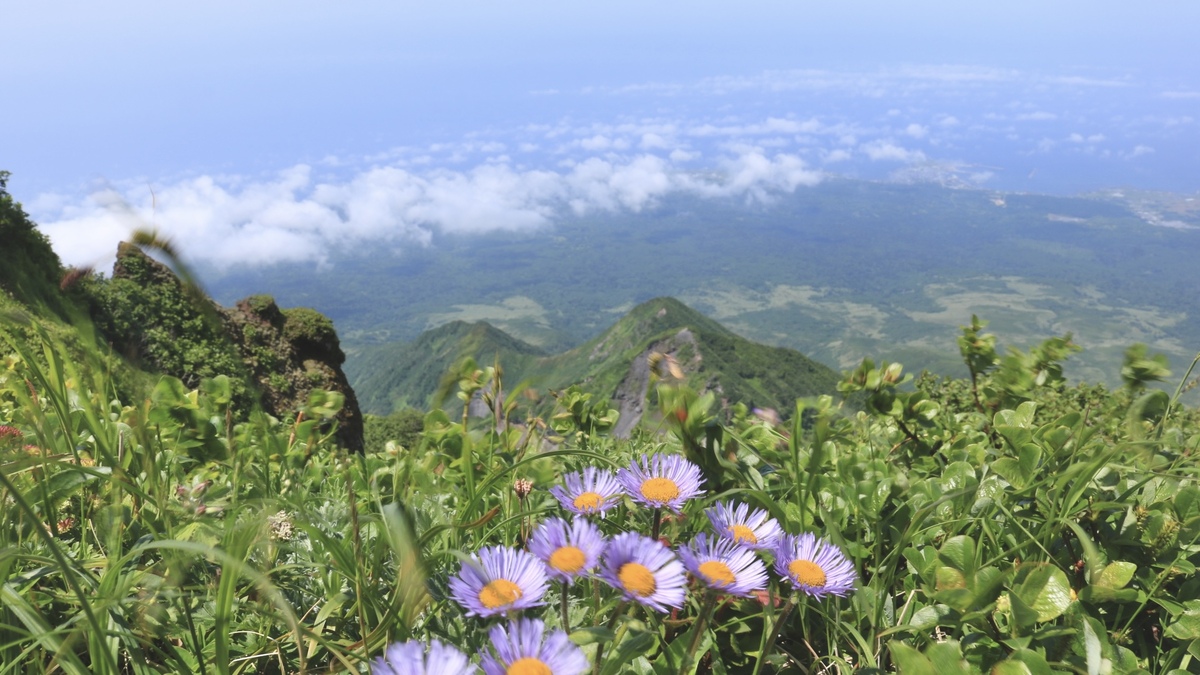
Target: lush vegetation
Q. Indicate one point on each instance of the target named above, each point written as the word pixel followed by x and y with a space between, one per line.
pixel 397 375
pixel 1004 523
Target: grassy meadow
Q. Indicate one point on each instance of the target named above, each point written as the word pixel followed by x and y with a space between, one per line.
pixel 1006 523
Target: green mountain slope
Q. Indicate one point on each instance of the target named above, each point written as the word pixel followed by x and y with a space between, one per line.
pixel 399 375
pixel 615 364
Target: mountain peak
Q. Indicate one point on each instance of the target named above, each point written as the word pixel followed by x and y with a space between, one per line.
pixel 614 365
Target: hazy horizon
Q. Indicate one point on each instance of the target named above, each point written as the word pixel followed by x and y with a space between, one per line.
pixel 262 134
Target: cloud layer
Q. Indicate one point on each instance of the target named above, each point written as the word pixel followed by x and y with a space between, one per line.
pixel 295 216
pixel 740 137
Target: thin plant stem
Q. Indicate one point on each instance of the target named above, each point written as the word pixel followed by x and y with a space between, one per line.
pixel 657 523
pixel 1162 422
pixel 710 602
pixel 774 634
pixel 611 624
pixel 596 602
pixel 565 607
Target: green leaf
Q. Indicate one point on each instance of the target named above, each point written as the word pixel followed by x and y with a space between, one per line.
pixel 1021 417
pixel 1098 594
pixel 1034 661
pixel 591 635
pixel 1021 471
pixel 1186 626
pixel 959 553
pixel 1010 668
pixel 1024 616
pixel 947 658
pixel 1091 644
pixel 636 644
pixel 1045 590
pixel 929 616
pixel 909 661
pixel 1116 575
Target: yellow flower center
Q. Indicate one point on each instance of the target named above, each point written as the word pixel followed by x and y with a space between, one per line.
pixel 589 501
pixel 742 533
pixel 528 666
pixel 637 579
pixel 568 559
pixel 807 573
pixel 717 573
pixel 661 490
pixel 499 593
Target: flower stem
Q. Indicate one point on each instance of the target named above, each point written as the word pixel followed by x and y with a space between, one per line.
pixel 611 624
pixel 566 617
pixel 770 643
pixel 710 601
pixel 657 523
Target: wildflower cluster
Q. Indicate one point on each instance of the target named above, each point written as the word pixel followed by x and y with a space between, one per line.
pixel 501 581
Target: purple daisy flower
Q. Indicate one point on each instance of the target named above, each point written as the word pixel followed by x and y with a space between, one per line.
pixel 525 649
pixel 644 570
pixel 723 565
pixel 569 550
pixel 662 480
pixel 412 658
pixel 593 491
pixel 500 579
pixel 814 566
pixel 749 529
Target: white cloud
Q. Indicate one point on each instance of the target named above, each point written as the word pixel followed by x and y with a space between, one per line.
pixel 1038 116
pixel 1138 151
pixel 293 216
pixel 888 151
pixel 916 130
pixel 652 141
pixel 838 155
pixel 596 142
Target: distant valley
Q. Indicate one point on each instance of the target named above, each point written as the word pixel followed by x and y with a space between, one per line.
pixel 840 271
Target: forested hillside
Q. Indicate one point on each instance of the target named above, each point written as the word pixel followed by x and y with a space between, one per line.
pixel 615 365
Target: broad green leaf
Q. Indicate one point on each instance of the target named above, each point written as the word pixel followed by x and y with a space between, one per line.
pixel 1116 575
pixel 1024 616
pixel 949 578
pixel 947 658
pixel 1020 471
pixel 959 553
pixel 909 661
pixel 1034 661
pixel 1186 626
pixel 929 616
pixel 1044 589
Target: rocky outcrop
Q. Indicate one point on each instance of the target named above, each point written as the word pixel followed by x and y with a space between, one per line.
pixel 630 396
pixel 289 353
pixel 281 355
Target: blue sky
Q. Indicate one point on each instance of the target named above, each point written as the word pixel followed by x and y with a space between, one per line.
pixel 260 132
